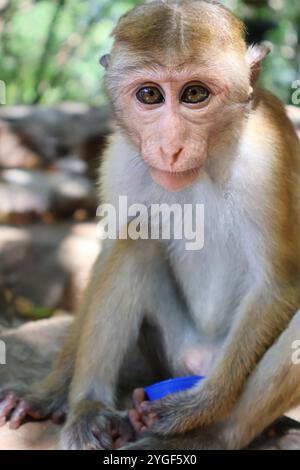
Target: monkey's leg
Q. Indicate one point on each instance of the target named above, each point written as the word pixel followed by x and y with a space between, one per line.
pixel 253 333
pixel 272 389
pixel 134 281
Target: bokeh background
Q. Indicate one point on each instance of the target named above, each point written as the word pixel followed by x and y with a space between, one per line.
pixel 49 49
pixel 53 128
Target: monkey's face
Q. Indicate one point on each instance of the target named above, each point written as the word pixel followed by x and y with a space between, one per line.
pixel 176 118
pixel 179 81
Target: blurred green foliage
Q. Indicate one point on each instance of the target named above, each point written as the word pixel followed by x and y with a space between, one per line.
pixel 49 50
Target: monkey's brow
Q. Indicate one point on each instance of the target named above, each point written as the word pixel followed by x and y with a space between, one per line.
pixel 162 71
pixel 156 65
pixel 143 65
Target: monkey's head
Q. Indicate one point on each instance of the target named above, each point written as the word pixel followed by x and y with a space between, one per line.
pixel 181 79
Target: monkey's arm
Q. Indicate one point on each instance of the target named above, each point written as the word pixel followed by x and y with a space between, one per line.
pixel 134 280
pixel 261 320
pixel 272 389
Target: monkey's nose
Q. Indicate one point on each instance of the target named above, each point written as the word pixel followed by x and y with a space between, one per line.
pixel 172 157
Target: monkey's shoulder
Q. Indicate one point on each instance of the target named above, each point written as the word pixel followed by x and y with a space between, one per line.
pixel 272 110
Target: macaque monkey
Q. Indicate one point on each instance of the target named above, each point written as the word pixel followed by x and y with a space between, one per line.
pixel 193 127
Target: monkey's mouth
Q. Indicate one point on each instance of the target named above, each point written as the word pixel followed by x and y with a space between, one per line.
pixel 175 180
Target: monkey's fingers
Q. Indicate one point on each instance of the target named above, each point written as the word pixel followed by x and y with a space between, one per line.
pixel 140 420
pixel 18 415
pixel 154 411
pixel 7 405
pixel 104 437
pixel 152 407
pixel 138 397
pixel 113 431
pixel 136 420
pixel 21 412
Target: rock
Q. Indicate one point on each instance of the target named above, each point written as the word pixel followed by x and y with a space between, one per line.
pixel 71 164
pixel 23 200
pixel 52 133
pixel 14 152
pixel 47 265
pixel 70 192
pixel 37 192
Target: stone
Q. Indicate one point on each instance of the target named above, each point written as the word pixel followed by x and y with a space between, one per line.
pixel 14 152
pixel 47 264
pixel 35 193
pixel 57 132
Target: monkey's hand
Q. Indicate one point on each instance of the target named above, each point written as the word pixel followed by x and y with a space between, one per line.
pixel 154 417
pixel 146 439
pixel 17 408
pixel 141 421
pixel 93 427
pixel 176 413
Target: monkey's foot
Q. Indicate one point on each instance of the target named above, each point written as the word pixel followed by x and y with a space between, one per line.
pixel 93 428
pixel 17 410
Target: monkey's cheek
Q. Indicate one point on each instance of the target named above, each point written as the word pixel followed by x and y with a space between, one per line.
pixel 175 182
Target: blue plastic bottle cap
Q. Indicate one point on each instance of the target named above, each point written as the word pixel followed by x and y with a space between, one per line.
pixel 162 389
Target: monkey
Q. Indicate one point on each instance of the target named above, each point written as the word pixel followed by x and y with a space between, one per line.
pixel 193 126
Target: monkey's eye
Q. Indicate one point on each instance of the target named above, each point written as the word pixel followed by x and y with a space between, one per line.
pixel 194 94
pixel 150 95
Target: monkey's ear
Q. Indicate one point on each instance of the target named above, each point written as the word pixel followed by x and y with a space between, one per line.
pixel 104 60
pixel 255 55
